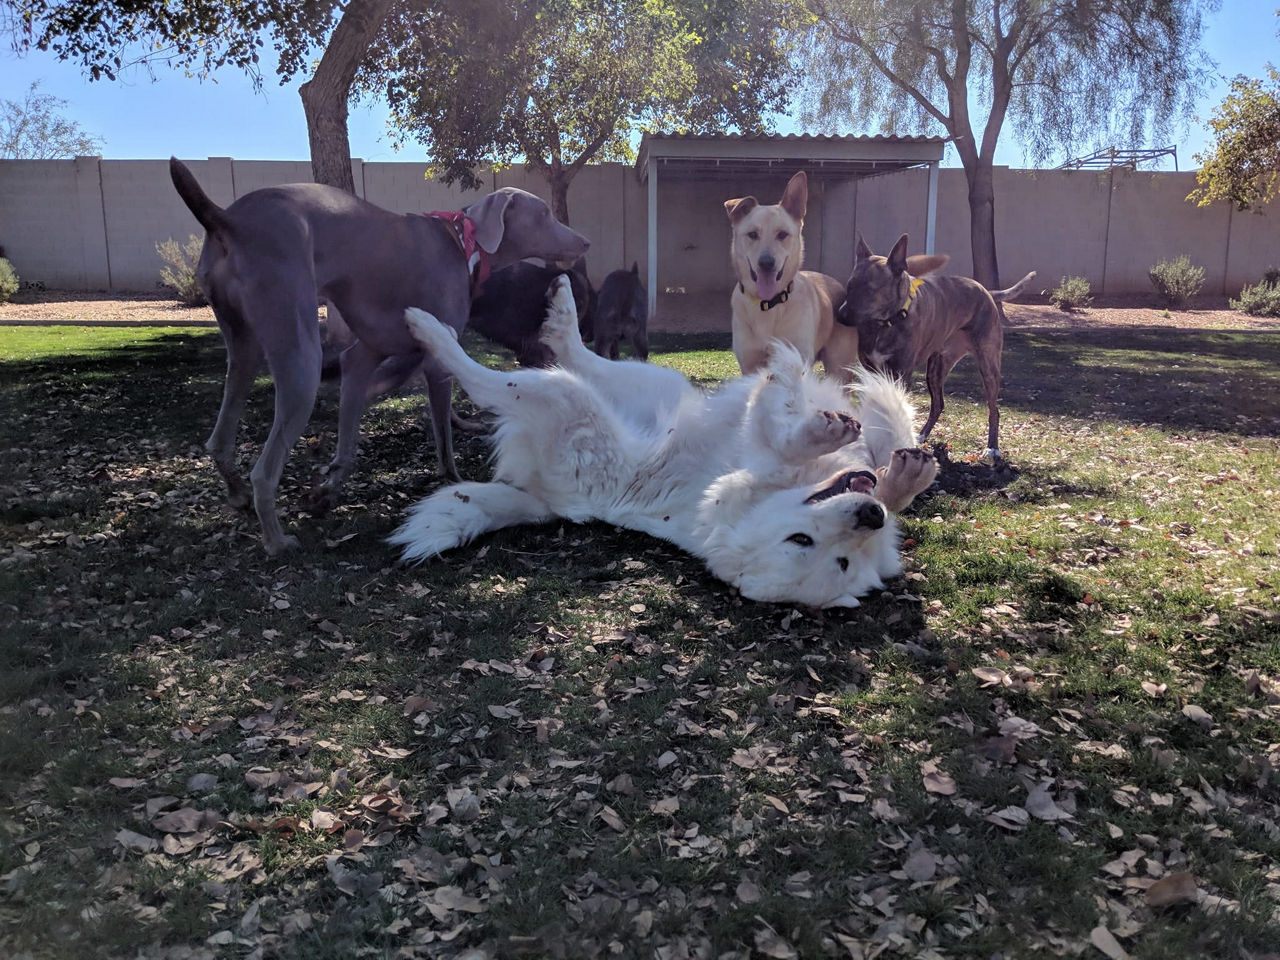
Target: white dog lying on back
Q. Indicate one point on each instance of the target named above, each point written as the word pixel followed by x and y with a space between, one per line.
pixel 770 479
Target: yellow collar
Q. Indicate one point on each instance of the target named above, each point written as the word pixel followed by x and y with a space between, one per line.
pixel 906 304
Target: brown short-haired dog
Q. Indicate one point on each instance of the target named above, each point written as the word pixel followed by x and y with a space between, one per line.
pixel 905 321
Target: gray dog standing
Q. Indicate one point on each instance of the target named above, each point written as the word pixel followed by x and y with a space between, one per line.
pixel 269 256
pixel 905 322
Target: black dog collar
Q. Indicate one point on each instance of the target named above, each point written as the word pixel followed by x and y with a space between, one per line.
pixel 782 297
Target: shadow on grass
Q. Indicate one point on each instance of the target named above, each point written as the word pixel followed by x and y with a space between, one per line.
pixel 1175 379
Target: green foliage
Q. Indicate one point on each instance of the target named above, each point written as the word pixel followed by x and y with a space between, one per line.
pixel 179 273
pixel 1072 293
pixel 1261 299
pixel 8 280
pixel 558 83
pixel 36 130
pixel 1065 72
pixel 1243 165
pixel 199 36
pixel 1177 280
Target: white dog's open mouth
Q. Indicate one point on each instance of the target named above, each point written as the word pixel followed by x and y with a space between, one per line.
pixel 851 481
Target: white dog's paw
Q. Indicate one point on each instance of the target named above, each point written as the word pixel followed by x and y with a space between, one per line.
pixel 909 473
pixel 829 430
pixel 426 329
pixel 560 328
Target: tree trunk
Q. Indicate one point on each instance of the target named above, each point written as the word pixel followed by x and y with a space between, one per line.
pixel 559 184
pixel 325 95
pixel 982 222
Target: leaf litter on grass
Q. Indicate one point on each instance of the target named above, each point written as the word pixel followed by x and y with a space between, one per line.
pixel 1056 733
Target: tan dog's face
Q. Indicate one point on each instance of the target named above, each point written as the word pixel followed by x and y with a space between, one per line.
pixel 767 247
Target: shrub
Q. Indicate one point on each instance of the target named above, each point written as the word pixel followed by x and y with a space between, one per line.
pixel 8 280
pixel 179 273
pixel 1177 281
pixel 1072 293
pixel 1261 299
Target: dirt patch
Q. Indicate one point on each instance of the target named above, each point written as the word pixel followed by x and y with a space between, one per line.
pixel 101 308
pixel 1135 310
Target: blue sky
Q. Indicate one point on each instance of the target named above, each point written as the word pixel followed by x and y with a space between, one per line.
pixel 139 117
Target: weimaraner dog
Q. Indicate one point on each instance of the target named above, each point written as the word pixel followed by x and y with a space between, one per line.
pixel 269 256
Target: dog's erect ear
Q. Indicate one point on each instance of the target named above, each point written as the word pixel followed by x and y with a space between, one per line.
pixel 860 250
pixel 898 256
pixel 488 216
pixel 737 209
pixel 795 199
pixel 918 264
pixel 635 267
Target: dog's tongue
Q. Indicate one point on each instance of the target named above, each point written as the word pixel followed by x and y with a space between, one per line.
pixel 766 288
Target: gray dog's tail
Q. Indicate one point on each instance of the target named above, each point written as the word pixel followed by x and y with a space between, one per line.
pixel 1017 290
pixel 205 210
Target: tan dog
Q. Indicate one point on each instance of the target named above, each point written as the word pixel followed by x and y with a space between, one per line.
pixel 774 298
pixel 905 322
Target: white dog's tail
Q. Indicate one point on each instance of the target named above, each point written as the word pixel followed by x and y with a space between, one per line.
pixel 459 513
pixel 886 414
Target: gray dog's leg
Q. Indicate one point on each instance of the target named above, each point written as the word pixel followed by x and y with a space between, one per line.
pixel 358 365
pixel 244 359
pixel 296 370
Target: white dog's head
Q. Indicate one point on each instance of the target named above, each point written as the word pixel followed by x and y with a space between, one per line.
pixel 822 545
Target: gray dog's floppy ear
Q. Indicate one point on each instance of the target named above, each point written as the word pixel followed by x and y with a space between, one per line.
pixel 487 215
pixel 898 256
pixel 795 199
pixel 860 250
pixel 737 209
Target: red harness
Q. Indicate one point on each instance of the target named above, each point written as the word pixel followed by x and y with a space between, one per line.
pixel 463 229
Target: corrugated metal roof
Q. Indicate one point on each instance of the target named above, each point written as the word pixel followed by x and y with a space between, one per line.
pixel 701 155
pixel 803 137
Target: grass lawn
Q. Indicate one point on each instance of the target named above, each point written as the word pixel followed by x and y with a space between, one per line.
pixel 1058 734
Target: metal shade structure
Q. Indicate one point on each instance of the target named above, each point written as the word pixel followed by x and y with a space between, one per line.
pixel 717 156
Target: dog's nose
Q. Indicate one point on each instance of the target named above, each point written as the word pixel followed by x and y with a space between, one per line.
pixel 767 262
pixel 870 515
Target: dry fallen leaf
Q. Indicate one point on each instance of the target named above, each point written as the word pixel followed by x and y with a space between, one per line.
pixel 666 805
pixel 1041 805
pixel 748 892
pixel 936 781
pixel 771 945
pixel 136 842
pixel 991 676
pixel 1197 715
pixel 921 866
pixel 610 816
pixel 1174 888
pixel 1104 940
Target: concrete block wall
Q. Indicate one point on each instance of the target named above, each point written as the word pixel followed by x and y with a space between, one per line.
pixel 93 224
pixel 51 222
